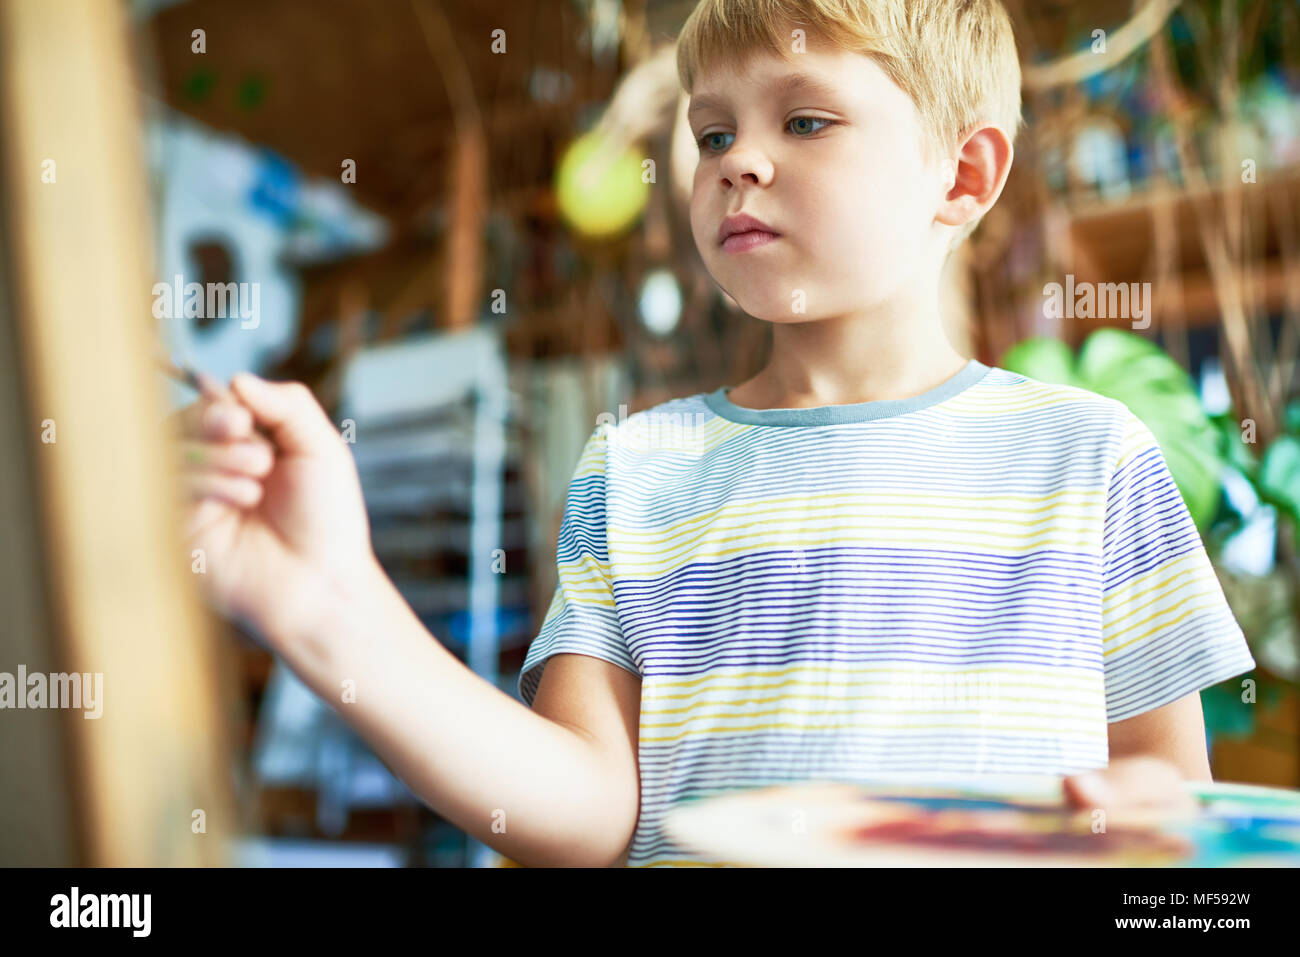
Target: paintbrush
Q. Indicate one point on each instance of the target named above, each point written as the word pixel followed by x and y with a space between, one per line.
pixel 200 382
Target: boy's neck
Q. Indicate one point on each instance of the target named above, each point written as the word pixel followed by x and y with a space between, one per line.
pixel 851 359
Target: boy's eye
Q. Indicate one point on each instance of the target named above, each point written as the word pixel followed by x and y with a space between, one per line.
pixel 706 145
pixel 807 119
pixel 803 128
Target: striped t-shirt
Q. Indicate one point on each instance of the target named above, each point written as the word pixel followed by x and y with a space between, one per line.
pixel 974 580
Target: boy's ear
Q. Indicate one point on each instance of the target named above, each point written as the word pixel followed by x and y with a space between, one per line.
pixel 982 165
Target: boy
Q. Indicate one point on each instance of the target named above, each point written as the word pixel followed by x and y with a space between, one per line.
pixel 874 557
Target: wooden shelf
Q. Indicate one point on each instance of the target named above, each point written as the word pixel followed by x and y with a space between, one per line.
pixel 1115 243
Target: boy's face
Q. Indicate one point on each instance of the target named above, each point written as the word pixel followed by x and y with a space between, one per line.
pixel 841 175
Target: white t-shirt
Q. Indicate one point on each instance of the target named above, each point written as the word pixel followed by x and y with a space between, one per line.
pixel 975 580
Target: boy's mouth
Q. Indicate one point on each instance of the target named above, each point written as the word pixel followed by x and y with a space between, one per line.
pixel 750 239
pixel 741 232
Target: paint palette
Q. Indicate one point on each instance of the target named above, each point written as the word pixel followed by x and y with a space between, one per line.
pixel 1242 825
pixel 987 822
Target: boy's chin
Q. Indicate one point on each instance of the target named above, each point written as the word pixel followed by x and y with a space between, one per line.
pixel 770 306
pixel 781 312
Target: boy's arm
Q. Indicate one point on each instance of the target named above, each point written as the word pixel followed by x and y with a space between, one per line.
pixel 1152 755
pixel 1167 631
pixel 552 787
pixel 601 701
pixel 1173 733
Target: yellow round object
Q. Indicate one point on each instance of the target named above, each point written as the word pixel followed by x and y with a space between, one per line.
pixel 600 193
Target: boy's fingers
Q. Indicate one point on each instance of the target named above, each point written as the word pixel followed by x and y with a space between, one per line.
pixel 253 457
pixel 227 420
pixel 237 490
pixel 214 420
pixel 1090 790
pixel 203 513
pixel 1130 784
pixel 288 410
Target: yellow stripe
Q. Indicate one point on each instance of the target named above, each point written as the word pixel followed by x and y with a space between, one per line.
pixel 1110 623
pixel 751 729
pixel 1083 711
pixel 1129 590
pixel 816 687
pixel 801 507
pixel 989 409
pixel 690 554
pixel 573 600
pixel 1165 626
pixel 1049 692
pixel 856 527
pixel 1137 439
pixel 739 522
pixel 659 683
pixel 828 709
pixel 574 584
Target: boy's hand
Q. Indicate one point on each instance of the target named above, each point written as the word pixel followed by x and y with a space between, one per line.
pixel 1131 786
pixel 280 520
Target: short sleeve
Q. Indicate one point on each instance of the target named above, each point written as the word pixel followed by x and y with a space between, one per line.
pixel 1167 630
pixel 581 618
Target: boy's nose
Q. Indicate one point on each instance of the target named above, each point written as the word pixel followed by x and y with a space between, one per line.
pixel 749 166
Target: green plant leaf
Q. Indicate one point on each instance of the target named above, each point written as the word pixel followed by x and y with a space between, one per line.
pixel 1238 454
pixel 1197 479
pixel 1047 360
pixel 1224 712
pixel 1279 475
pixel 1110 362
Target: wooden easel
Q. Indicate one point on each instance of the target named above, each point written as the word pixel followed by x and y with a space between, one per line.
pixel 93 573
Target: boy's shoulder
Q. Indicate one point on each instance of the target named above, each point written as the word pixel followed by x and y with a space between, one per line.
pixel 1076 422
pixel 1037 393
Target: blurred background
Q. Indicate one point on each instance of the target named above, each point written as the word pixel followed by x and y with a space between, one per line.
pixel 464 226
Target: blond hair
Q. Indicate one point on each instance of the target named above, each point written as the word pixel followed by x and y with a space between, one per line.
pixel 956 59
